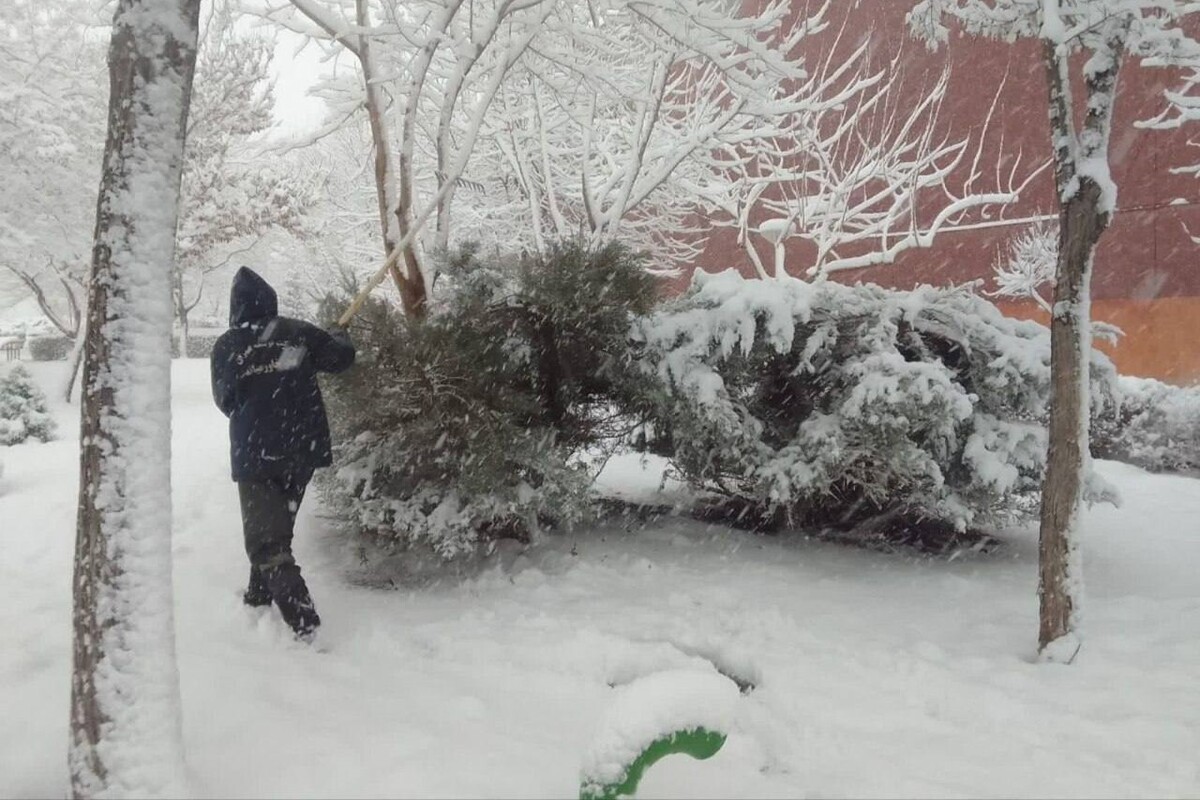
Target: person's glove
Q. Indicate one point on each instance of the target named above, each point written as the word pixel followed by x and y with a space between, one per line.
pixel 340 333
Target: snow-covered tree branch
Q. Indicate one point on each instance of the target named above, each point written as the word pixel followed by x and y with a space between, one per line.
pixel 862 175
pixel 631 127
pixel 1026 265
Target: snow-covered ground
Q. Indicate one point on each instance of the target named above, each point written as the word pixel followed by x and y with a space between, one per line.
pixel 876 675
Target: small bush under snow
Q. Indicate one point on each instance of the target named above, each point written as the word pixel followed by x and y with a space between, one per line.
pixel 1156 426
pixel 654 707
pixel 23 413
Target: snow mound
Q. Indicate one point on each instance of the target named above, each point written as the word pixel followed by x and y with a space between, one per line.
pixel 652 708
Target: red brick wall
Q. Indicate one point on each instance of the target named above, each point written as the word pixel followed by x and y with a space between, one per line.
pixel 1146 269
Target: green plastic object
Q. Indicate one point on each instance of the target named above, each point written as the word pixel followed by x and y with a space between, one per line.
pixel 699 743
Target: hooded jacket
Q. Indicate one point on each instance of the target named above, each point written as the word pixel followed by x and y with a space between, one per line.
pixel 264 378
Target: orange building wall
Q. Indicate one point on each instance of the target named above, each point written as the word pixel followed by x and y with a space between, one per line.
pixel 1162 337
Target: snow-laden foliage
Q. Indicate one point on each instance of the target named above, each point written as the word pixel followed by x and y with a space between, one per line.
pixel 53 86
pixel 49 348
pixel 1025 267
pixel 1156 426
pixel 23 412
pixel 233 192
pixel 52 90
pixel 467 426
pixel 830 405
pixel 648 122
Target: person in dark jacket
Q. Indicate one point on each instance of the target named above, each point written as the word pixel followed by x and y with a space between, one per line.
pixel 264 378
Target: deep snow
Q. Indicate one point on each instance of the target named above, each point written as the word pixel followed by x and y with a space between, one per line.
pixel 875 674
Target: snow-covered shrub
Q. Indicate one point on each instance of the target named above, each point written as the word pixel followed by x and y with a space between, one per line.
pixel 23 409
pixel 467 425
pixel 50 348
pixel 831 406
pixel 1156 426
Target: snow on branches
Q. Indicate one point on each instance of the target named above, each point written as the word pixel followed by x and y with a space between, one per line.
pixel 860 172
pixel 232 195
pixel 651 122
pixel 1156 427
pixel 1107 31
pixel 52 87
pixel 1026 265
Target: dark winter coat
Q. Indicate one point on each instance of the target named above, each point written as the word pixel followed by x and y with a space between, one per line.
pixel 264 378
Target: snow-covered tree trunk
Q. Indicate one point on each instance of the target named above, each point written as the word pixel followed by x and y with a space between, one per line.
pixel 1087 40
pixel 125 715
pixel 1060 582
pixel 1088 199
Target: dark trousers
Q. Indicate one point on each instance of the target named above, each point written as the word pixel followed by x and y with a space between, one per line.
pixel 269 506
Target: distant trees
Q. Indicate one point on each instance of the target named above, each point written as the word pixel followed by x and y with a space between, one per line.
pixel 51 134
pixel 52 129
pixel 232 193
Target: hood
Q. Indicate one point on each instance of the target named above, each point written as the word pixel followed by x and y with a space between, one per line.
pixel 251 298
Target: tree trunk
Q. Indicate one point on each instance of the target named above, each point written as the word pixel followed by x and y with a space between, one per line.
pixel 76 361
pixel 125 717
pixel 1060 584
pixel 183 334
pixel 411 285
pixel 180 309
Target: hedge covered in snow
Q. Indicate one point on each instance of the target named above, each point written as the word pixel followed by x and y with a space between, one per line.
pixel 786 404
pixel 50 348
pixel 823 405
pixel 1156 426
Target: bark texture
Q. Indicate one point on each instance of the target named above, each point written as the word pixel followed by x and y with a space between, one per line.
pixel 123 679
pixel 410 281
pixel 1081 224
pixel 1087 200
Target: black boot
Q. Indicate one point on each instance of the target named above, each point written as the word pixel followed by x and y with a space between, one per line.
pixel 258 593
pixel 290 593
